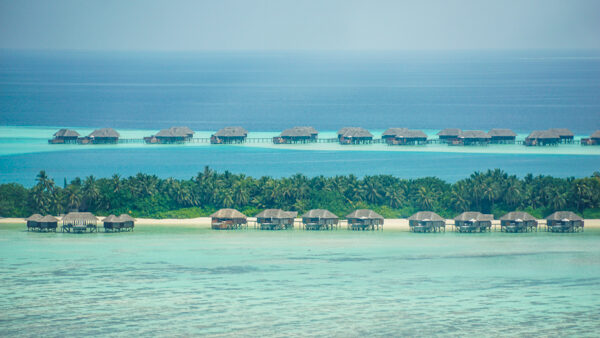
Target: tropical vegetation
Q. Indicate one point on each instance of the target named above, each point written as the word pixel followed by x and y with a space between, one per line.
pixel 146 195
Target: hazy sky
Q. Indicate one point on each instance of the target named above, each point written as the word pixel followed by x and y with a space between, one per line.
pixel 296 24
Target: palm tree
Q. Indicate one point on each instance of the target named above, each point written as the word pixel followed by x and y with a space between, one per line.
pixel 426 199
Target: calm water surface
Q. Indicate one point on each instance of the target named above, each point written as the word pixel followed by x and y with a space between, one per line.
pixel 185 281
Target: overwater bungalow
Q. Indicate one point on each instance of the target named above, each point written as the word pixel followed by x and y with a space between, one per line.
pixel 319 219
pixel 566 136
pixel 171 135
pixel 364 219
pixel 593 140
pixel 354 135
pixel 449 135
pixel 227 219
pixel 473 222
pixel 33 222
pixel 518 221
pixel 426 221
pixel 404 136
pixel 48 223
pixel 64 136
pixel 472 137
pixel 101 136
pixel 297 135
pixel 502 136
pixel 276 219
pixel 564 221
pixel 123 222
pixel 79 222
pixel 229 135
pixel 542 138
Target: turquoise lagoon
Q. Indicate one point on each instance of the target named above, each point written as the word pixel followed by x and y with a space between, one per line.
pixel 181 281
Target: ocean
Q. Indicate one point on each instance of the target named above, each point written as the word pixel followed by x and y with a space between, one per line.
pixel 183 281
pixel 186 281
pixel 266 92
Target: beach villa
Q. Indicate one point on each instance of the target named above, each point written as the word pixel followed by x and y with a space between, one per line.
pixel 229 135
pixel 227 219
pixel 564 221
pixel 276 219
pixel 518 221
pixel 319 219
pixel 473 222
pixel 354 135
pixel 79 222
pixel 364 219
pixel 426 221
pixel 502 136
pixel 297 135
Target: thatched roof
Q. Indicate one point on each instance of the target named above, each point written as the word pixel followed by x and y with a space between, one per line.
pixel 425 216
pixel 34 218
pixel 474 134
pixel 596 134
pixel 515 215
pixel 125 218
pixel 79 216
pixel 473 215
pixel 563 132
pixel 319 213
pixel 232 132
pixel 228 213
pixel 364 214
pixel 110 219
pixel 66 133
pixel 404 133
pixel 175 132
pixel 393 131
pixel 277 213
pixel 48 219
pixel 449 132
pixel 564 215
pixel 299 132
pixel 354 132
pixel 543 134
pixel 105 133
pixel 502 133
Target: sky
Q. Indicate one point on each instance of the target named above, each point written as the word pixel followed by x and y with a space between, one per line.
pixel 191 25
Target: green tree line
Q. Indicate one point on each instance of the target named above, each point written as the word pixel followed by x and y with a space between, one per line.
pixel 145 195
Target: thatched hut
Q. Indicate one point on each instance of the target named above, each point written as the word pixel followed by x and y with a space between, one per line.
pixel 319 219
pixel 111 223
pixel 229 135
pixel 101 136
pixel 171 135
pixel 564 221
pixel 472 137
pixel 449 135
pixel 565 135
pixel 354 135
pixel 542 138
pixel 276 219
pixel 518 221
pixel 473 222
pixel 404 136
pixel 33 222
pixel 79 222
pixel 297 135
pixel 364 219
pixel 227 219
pixel 48 223
pixel 593 140
pixel 426 221
pixel 64 136
pixel 502 136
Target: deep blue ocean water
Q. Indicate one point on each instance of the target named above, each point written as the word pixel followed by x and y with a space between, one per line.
pixel 328 90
